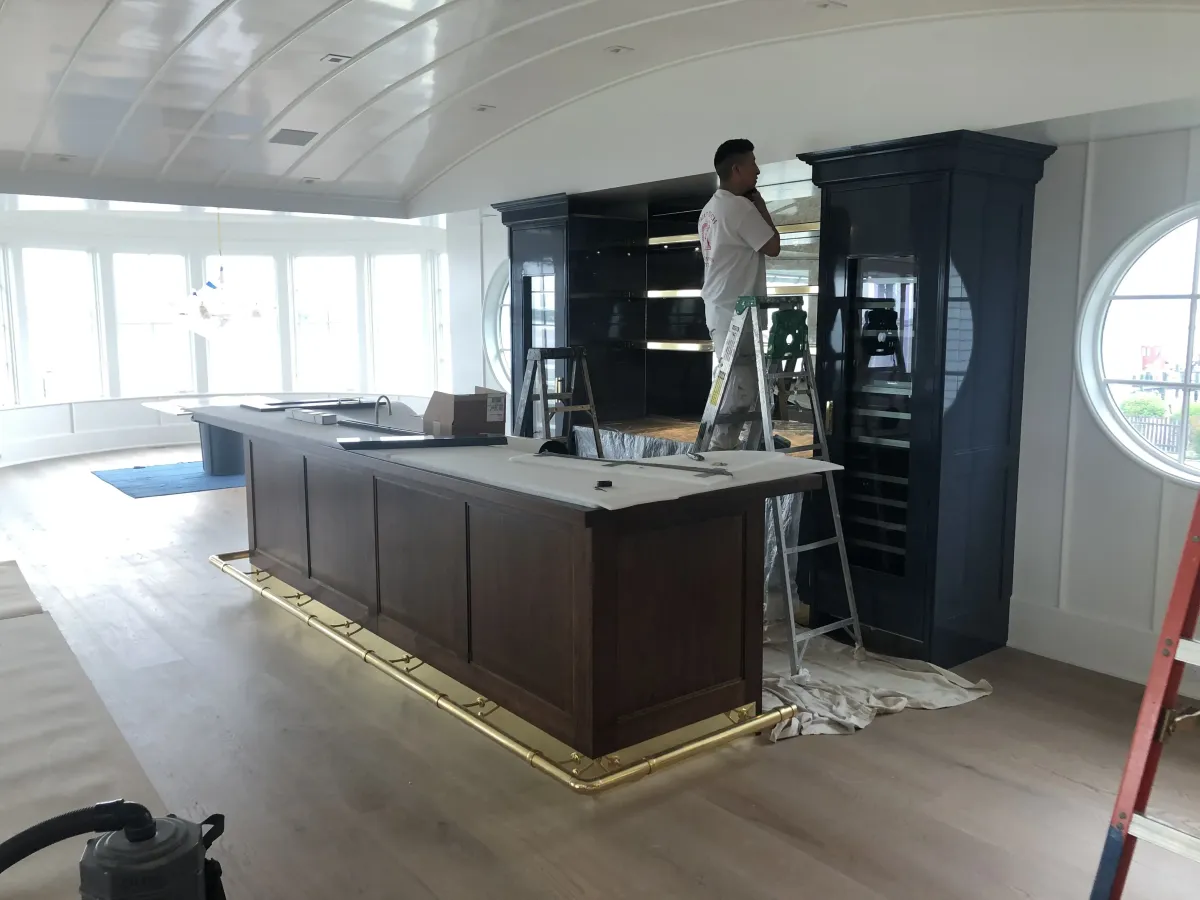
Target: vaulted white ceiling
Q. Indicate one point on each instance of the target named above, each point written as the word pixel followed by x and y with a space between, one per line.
pixel 448 104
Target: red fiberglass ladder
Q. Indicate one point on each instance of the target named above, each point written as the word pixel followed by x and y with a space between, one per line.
pixel 1156 722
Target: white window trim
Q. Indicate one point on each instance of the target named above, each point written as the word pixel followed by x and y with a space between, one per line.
pixel 1089 356
pixel 493 299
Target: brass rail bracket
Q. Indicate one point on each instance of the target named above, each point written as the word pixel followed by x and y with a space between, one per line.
pixel 568 773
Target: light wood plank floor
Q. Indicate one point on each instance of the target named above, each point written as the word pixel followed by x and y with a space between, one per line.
pixel 338 784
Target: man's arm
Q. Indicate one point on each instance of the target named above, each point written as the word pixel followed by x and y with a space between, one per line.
pixel 771 247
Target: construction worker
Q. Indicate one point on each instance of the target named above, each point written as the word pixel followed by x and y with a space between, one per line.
pixel 736 236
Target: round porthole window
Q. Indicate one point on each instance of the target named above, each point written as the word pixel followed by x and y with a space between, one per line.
pixel 497 325
pixel 1139 363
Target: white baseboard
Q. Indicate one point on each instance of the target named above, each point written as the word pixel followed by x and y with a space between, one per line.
pixel 59 445
pixel 1105 647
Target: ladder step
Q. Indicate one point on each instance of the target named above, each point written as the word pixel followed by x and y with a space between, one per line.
pixel 782 376
pixel 566 409
pixel 816 545
pixel 824 629
pixel 1163 835
pixel 553 396
pixel 540 353
pixel 803 448
pixel 1188 652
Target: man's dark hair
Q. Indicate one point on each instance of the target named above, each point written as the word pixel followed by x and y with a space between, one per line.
pixel 728 154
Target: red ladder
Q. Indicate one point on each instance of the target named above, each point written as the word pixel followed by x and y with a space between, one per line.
pixel 1156 722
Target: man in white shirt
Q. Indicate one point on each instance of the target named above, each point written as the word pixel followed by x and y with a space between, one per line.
pixel 736 236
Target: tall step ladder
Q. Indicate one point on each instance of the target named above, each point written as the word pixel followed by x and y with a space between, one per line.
pixel 535 368
pixel 1157 721
pixel 783 367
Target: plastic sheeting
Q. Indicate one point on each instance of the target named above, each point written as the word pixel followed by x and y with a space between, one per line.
pixel 623 445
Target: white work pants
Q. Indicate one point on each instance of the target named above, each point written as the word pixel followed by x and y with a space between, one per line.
pixel 741 394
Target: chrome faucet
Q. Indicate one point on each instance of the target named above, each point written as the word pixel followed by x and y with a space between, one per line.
pixel 383 398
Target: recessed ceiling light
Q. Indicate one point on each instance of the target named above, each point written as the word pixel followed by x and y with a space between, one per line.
pixel 617 48
pixel 310 179
pixel 336 58
pixel 292 137
pixel 484 107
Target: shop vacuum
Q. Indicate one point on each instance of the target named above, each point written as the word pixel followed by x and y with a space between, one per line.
pixel 135 857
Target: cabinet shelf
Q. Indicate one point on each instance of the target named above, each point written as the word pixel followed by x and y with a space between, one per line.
pixel 798 228
pixel 872 545
pixel 676 346
pixel 894 390
pixel 881 413
pixel 879 442
pixel 876 523
pixel 789 290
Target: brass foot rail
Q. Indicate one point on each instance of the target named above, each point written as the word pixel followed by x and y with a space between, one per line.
pixel 533 757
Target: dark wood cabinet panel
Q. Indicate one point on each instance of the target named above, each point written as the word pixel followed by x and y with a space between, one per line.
pixel 603 628
pixel 280 514
pixel 522 588
pixel 422 575
pixel 656 597
pixel 341 534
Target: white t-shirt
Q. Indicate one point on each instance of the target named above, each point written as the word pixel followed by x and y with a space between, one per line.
pixel 732 232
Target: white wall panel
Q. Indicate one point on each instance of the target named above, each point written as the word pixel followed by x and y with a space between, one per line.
pixel 111 415
pixel 1135 180
pixel 1049 376
pixel 1098 535
pixel 1111 530
pixel 40 420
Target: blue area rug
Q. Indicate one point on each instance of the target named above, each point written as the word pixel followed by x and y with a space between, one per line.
pixel 175 478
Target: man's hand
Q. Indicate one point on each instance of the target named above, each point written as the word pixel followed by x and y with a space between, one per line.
pixel 772 247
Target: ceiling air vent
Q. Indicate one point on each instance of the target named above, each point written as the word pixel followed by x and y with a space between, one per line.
pixel 292 137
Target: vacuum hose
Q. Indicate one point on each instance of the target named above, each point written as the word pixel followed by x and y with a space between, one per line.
pixel 116 815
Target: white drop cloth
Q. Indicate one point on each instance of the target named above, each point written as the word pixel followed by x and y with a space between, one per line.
pixel 838 694
pixel 16 599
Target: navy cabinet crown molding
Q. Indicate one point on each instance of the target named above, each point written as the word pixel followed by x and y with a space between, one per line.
pixel 924 279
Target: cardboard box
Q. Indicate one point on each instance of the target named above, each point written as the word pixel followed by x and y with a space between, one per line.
pixel 457 415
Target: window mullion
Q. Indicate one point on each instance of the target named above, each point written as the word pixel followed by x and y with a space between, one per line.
pixel 106 315
pixel 284 280
pixel 362 263
pixel 1185 416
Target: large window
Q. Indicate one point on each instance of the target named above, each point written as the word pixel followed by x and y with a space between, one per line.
pixel 62 332
pixel 1139 349
pixel 325 292
pixel 246 357
pixel 154 347
pixel 403 350
pixel 103 299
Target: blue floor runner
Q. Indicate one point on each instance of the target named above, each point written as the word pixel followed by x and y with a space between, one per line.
pixel 175 478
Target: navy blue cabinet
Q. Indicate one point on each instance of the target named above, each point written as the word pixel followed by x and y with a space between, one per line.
pixel 924 272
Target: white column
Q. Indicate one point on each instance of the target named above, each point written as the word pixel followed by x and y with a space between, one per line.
pixel 464 245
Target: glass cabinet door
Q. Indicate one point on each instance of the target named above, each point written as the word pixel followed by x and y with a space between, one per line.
pixel 880 344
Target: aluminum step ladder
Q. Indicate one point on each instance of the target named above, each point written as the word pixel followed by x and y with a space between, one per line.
pixel 1157 721
pixel 535 369
pixel 790 366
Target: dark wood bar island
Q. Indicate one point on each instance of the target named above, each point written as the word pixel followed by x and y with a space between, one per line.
pixel 603 617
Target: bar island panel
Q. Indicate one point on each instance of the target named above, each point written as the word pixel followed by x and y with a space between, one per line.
pixel 602 627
